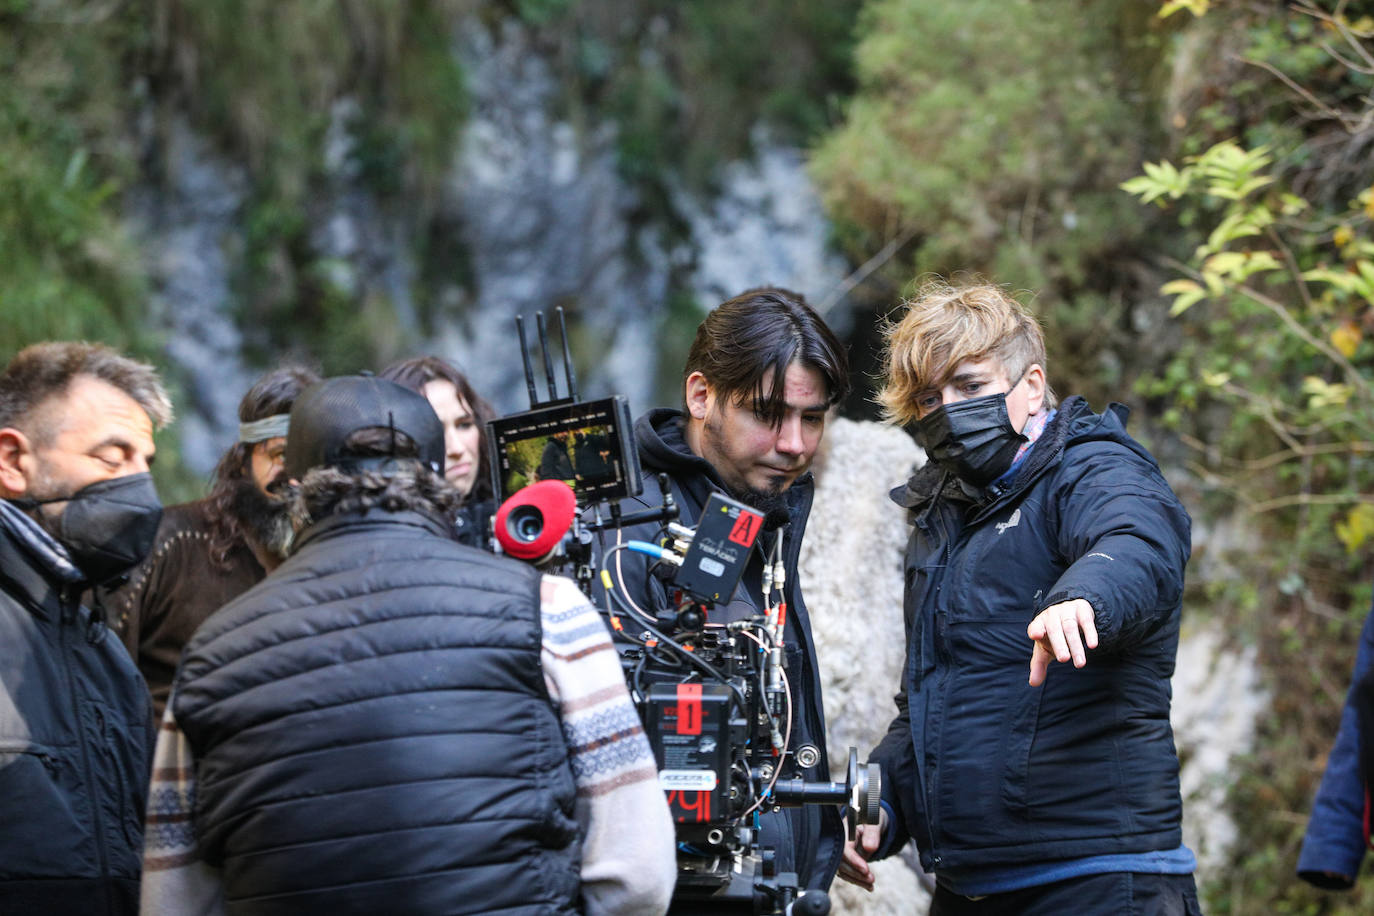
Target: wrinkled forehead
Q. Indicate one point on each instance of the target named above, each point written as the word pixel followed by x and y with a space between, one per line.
pixel 88 409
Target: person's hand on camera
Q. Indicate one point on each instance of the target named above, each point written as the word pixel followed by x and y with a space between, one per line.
pixel 1056 631
pixel 854 867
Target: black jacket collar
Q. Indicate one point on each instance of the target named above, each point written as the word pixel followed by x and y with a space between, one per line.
pixel 35 568
pixel 347 522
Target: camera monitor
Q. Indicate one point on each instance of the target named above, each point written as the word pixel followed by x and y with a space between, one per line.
pixel 587 444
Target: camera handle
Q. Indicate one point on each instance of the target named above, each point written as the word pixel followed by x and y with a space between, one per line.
pixel 667 512
pixel 860 793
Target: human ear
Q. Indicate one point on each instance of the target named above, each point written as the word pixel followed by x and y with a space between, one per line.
pixel 697 394
pixel 16 453
pixel 1035 388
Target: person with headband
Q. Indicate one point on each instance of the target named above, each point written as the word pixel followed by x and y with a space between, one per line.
pixel 212 550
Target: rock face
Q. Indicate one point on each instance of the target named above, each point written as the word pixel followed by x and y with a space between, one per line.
pixel 851 570
pixel 536 205
pixel 187 228
pixel 767 226
pixel 1218 699
pixel 546 220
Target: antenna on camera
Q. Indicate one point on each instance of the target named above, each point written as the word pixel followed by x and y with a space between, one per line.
pixel 525 356
pixel 567 357
pixel 549 375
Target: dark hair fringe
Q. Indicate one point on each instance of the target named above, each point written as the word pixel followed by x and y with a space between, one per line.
pixel 756 336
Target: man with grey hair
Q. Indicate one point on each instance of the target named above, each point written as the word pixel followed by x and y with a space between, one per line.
pixel 77 510
pixel 393 722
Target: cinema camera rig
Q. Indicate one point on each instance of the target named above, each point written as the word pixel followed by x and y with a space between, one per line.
pixel 713 697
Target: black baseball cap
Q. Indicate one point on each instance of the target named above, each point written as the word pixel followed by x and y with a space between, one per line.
pixel 328 412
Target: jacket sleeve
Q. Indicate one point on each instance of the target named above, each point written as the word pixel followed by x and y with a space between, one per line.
pixel 629 860
pixel 1334 843
pixel 1127 539
pixel 895 753
pixel 897 759
pixel 176 881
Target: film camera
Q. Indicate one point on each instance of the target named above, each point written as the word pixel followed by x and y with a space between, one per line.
pixel 713 695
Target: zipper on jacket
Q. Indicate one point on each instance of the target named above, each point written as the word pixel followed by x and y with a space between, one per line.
pixel 70 600
pixel 28 749
pixel 942 651
pixel 934 585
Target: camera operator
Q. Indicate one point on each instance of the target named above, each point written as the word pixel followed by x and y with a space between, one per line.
pixel 761 375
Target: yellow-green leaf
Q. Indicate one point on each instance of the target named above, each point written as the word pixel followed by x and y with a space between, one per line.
pixel 1215 379
pixel 1215 285
pixel 1187 293
pixel 1321 393
pixel 1357 528
pixel 1196 7
pixel 1346 338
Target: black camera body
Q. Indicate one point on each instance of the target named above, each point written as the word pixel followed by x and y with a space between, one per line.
pixel 716 708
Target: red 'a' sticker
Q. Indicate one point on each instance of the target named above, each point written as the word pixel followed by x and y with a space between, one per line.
pixel 746 529
pixel 689 709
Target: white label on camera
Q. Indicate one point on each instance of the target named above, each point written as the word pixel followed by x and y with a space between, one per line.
pixel 711 567
pixel 690 780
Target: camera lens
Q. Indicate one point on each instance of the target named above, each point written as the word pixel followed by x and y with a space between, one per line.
pixel 525 523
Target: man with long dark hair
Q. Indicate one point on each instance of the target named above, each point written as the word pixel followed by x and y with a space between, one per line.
pixel 762 374
pixel 214 549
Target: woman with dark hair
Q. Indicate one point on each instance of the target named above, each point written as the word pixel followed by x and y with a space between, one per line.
pixel 464 415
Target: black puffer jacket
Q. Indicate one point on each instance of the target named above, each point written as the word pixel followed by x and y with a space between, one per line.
pixel 983 769
pixel 373 734
pixel 809 840
pixel 75 734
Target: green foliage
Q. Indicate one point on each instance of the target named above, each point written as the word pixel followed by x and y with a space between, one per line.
pixel 990 136
pixel 269 95
pixel 1274 385
pixel 68 270
pixel 689 81
pixel 1300 423
pixel 263 77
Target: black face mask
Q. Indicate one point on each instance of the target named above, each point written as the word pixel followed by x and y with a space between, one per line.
pixel 973 440
pixel 109 526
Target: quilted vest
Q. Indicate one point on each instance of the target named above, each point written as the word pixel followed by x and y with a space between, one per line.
pixel 372 732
